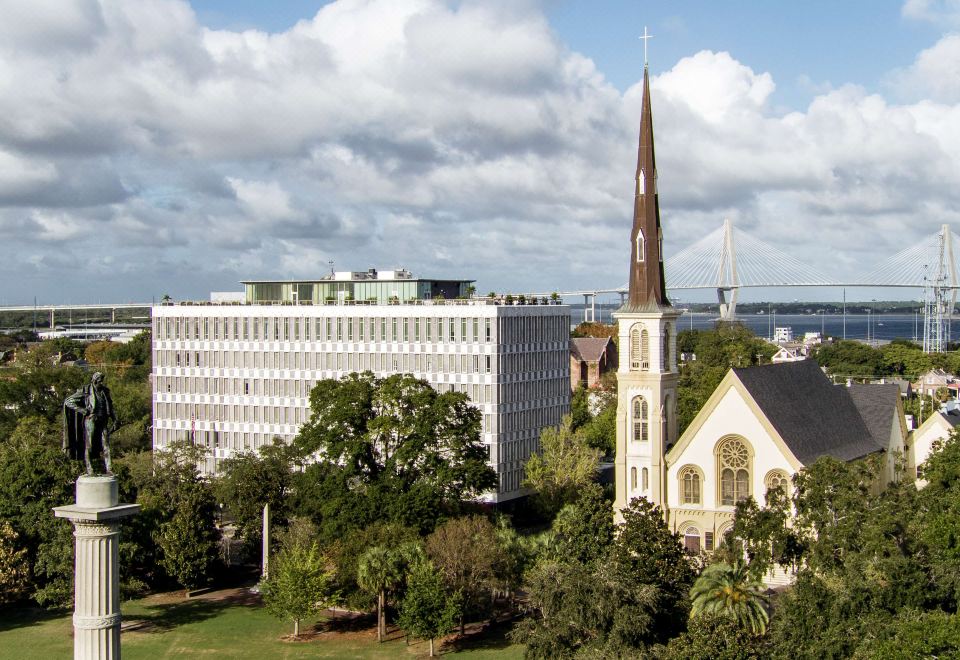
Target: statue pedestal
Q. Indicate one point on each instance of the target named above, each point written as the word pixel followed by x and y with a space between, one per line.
pixel 96 521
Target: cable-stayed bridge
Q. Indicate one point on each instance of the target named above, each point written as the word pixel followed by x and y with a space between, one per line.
pixel 729 259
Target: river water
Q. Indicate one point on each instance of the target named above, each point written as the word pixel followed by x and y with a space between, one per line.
pixel 874 327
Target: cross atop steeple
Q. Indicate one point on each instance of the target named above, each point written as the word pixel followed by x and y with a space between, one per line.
pixel 645 37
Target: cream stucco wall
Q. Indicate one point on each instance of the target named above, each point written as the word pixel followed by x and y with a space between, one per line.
pixel 921 444
pixel 733 415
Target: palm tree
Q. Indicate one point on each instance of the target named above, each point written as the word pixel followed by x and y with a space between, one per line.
pixel 378 572
pixel 731 591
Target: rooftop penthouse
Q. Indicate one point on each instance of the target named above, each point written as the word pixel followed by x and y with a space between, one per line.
pixel 371 286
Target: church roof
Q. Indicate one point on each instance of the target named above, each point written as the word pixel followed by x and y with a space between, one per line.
pixel 813 417
pixel 877 405
pixel 589 349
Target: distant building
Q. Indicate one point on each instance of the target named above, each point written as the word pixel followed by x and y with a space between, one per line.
pixel 233 377
pixel 937 426
pixel 785 354
pixel 782 335
pixel 590 359
pixel 937 379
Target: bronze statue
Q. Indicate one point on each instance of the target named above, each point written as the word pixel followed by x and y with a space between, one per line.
pixel 88 420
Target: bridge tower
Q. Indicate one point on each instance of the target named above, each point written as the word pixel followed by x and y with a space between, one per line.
pixel 727 279
pixel 647 373
pixel 939 294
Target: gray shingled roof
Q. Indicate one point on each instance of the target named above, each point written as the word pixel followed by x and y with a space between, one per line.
pixel 589 349
pixel 813 417
pixel 877 404
pixel 952 417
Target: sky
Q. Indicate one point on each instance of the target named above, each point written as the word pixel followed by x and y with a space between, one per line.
pixel 168 147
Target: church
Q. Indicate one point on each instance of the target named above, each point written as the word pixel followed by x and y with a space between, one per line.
pixel 760 426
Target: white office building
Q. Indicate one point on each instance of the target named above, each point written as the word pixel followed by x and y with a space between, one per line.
pixel 234 376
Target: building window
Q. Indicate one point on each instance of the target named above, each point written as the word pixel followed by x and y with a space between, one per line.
pixel 733 460
pixel 640 246
pixel 667 362
pixel 640 424
pixel 633 478
pixel 777 479
pixel 639 349
pixel 645 479
pixel 691 540
pixel 708 541
pixel 690 483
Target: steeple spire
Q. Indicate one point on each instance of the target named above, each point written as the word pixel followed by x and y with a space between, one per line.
pixel 647 286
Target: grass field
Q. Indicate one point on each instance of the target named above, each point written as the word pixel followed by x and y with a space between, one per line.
pixel 229 625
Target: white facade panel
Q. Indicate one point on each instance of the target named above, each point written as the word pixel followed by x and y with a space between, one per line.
pixel 233 377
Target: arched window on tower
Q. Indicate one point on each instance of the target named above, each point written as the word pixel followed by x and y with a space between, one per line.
pixel 645 479
pixel 639 349
pixel 633 478
pixel 733 463
pixel 640 247
pixel 641 411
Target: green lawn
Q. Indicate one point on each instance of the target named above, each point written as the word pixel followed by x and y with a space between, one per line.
pixel 169 627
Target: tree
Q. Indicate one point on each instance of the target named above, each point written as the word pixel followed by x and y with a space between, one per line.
pixel 427 611
pixel 392 448
pixel 851 358
pixel 379 571
pixel 36 476
pixel 564 466
pixel 250 480
pixel 189 541
pixel 465 551
pixel 718 638
pixel 179 509
pixel 615 605
pixel 299 583
pixel 14 576
pixel 764 535
pixel 584 530
pixel 646 552
pixel 729 590
pixel 914 634
pixel 580 609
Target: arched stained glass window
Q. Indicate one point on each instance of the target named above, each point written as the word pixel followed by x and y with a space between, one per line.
pixel 641 426
pixel 733 461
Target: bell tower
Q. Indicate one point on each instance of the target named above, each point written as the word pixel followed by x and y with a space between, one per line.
pixel 647 328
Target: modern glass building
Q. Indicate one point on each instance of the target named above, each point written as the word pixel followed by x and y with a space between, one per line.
pixel 368 286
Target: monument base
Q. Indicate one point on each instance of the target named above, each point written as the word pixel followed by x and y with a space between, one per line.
pixel 96 520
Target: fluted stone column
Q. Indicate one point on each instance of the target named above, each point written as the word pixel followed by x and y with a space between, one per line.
pixel 96 521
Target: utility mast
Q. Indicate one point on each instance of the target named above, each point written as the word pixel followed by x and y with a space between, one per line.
pixel 939 297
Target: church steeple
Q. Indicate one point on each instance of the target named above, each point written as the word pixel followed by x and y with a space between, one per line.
pixel 648 289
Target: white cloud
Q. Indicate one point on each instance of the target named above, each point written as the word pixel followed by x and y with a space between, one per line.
pixel 457 139
pixel 934 74
pixel 934 11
